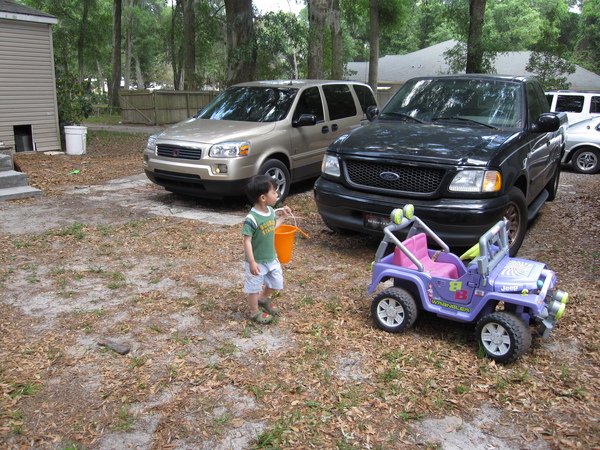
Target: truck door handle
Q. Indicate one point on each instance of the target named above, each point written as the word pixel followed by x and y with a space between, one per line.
pixel 325 130
pixel 334 127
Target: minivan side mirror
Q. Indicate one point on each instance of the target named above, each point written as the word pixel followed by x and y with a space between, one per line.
pixel 304 120
pixel 546 123
pixel 372 113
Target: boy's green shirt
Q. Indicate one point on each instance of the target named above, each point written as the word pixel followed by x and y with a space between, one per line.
pixel 262 229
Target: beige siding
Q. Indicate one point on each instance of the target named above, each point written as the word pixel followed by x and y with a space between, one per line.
pixel 27 93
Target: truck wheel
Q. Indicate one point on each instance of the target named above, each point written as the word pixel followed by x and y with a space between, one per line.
pixel 552 186
pixel 586 160
pixel 503 336
pixel 516 214
pixel 394 310
pixel 280 173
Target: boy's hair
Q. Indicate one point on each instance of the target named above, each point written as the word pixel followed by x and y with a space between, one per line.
pixel 259 185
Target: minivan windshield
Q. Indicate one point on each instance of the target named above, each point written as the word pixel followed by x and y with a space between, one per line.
pixel 250 104
pixel 445 101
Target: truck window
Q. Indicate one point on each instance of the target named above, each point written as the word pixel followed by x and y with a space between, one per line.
pixel 365 96
pixel 340 102
pixel 570 103
pixel 310 103
pixel 595 104
pixel 533 104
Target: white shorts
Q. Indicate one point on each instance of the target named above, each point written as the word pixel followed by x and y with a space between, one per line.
pixel 270 275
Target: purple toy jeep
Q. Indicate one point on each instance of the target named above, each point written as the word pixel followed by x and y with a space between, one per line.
pixel 503 295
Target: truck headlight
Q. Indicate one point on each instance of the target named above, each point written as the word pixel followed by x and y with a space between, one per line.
pixel 231 149
pixel 151 144
pixel 476 181
pixel 331 166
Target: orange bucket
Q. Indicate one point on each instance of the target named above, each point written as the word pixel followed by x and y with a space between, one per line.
pixel 284 241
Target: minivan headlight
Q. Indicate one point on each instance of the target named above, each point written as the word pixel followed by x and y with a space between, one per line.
pixel 476 181
pixel 151 144
pixel 231 149
pixel 331 166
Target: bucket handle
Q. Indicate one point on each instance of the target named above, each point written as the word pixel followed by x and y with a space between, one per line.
pixel 295 222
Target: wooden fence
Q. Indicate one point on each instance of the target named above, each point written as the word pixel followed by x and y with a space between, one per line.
pixel 162 107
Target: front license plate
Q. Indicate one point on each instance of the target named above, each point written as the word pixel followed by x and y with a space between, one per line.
pixel 376 222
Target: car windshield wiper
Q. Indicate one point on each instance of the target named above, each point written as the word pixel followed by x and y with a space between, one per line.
pixel 464 119
pixel 402 115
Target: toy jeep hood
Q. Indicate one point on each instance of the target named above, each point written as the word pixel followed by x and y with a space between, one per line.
pixel 516 275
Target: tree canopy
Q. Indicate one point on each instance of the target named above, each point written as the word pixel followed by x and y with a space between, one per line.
pixel 196 44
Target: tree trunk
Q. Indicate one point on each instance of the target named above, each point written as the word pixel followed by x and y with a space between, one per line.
pixel 241 41
pixel 81 41
pixel 128 44
pixel 474 45
pixel 337 65
pixel 189 46
pixel 317 11
pixel 374 44
pixel 115 80
pixel 138 74
pixel 176 63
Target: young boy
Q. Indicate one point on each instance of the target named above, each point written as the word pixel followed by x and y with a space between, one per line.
pixel 262 265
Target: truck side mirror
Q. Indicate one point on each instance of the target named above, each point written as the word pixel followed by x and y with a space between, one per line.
pixel 546 123
pixel 304 120
pixel 372 112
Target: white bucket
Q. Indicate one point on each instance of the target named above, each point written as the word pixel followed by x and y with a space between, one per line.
pixel 75 139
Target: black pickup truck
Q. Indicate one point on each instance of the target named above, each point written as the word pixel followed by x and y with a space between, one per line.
pixel 466 150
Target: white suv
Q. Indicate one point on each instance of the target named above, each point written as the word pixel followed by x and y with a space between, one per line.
pixel 578 105
pixel 279 128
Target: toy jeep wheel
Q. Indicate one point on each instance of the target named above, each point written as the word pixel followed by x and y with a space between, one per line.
pixel 503 336
pixel 394 310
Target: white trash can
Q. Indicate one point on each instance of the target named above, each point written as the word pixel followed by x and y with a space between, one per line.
pixel 75 139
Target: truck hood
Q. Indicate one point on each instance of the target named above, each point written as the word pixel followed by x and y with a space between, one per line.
pixel 208 131
pixel 425 142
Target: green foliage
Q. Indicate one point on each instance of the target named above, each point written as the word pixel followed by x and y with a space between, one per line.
pixel 73 105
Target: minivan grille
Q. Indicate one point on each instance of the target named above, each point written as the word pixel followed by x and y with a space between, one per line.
pixel 175 151
pixel 393 177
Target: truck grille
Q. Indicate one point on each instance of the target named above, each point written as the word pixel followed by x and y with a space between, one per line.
pixel 393 177
pixel 175 151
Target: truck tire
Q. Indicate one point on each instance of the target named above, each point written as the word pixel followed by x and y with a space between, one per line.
pixel 516 215
pixel 503 336
pixel 552 186
pixel 394 310
pixel 280 173
pixel 586 160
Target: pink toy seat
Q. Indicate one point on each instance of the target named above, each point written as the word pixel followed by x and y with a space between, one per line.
pixel 417 245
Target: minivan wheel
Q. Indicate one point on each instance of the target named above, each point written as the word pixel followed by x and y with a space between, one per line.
pixel 516 215
pixel 280 173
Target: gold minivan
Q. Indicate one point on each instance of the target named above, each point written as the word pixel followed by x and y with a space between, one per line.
pixel 278 128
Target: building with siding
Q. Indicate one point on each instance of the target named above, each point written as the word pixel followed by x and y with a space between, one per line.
pixel 28 111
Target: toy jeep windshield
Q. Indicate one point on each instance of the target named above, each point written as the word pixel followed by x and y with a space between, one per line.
pixel 502 295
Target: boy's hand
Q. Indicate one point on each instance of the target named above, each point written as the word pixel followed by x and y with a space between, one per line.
pixel 254 269
pixel 287 211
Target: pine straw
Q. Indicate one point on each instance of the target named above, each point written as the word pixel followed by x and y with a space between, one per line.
pixel 322 377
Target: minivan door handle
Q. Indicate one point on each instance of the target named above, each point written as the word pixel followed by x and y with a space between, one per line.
pixel 325 130
pixel 334 127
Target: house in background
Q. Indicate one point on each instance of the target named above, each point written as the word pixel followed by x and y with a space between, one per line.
pixel 28 110
pixel 395 70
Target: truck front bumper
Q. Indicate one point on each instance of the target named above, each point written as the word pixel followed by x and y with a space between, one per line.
pixel 459 222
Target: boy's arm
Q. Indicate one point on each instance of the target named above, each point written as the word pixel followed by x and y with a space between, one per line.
pixel 254 270
pixel 287 212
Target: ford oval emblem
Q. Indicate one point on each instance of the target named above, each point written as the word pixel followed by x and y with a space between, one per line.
pixel 389 176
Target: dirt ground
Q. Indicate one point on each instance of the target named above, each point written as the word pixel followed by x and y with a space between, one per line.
pixel 104 264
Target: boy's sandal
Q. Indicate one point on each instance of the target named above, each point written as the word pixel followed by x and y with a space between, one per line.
pixel 269 307
pixel 261 317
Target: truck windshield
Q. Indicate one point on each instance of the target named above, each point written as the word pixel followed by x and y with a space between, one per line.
pixel 250 104
pixel 465 101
